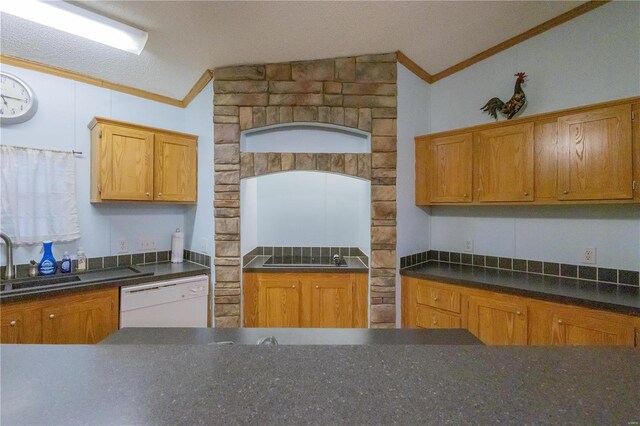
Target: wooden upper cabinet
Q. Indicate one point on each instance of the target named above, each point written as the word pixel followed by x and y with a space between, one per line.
pixel 595 155
pixel 176 166
pixel 126 164
pixel 505 163
pixel 332 301
pixel 279 302
pixel 450 170
pixel 138 163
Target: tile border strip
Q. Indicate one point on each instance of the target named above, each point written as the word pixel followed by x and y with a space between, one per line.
pixel 554 269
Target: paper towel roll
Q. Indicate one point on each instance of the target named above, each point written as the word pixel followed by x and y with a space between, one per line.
pixel 177 247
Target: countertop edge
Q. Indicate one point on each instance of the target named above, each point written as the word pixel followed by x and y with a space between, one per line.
pixel 517 291
pixel 79 287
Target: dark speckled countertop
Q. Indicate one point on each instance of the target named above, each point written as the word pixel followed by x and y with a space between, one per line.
pixel 103 279
pixel 353 265
pixel 592 294
pixel 370 384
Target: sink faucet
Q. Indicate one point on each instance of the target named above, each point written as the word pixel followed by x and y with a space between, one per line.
pixel 8 273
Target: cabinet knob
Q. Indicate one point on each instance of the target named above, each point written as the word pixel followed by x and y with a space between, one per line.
pixel 52 316
pixel 147 194
pixel 559 321
pixel 13 323
pixel 466 195
pixel 435 298
pixel 518 313
pixel 526 193
pixel 159 194
pixel 317 286
pixel 435 322
pixel 293 286
pixel 565 192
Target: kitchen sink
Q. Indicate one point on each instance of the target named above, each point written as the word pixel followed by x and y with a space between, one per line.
pixel 304 262
pixel 48 282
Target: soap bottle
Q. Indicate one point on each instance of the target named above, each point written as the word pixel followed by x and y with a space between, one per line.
pixel 82 261
pixel 65 266
pixel 48 264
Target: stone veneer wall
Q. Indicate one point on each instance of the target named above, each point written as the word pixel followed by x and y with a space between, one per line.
pixel 358 92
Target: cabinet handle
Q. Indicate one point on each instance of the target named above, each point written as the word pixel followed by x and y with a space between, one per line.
pixel 293 286
pixel 147 194
pixel 317 286
pixel 435 322
pixel 435 298
pixel 52 316
pixel 159 194
pixel 565 192
pixel 559 321
pixel 518 313
pixel 13 323
pixel 526 193
pixel 466 195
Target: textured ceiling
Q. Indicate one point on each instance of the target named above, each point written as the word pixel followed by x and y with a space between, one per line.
pixel 186 37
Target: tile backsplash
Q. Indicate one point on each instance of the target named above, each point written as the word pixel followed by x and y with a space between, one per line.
pixel 583 272
pixel 93 263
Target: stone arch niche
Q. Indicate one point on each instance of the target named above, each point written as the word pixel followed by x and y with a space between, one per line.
pixel 354 92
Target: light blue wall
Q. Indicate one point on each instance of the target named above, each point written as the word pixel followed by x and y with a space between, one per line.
pixel 593 58
pixel 65 108
pixel 199 221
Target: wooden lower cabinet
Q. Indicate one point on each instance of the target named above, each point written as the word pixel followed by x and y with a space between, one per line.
pixel 498 322
pixel 319 300
pixel 80 318
pixel 500 319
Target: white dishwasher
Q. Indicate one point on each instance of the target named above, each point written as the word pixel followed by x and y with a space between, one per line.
pixel 181 302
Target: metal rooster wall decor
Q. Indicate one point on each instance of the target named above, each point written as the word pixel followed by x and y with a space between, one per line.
pixel 513 105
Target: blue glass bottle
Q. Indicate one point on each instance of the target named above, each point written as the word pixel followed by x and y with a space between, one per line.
pixel 48 264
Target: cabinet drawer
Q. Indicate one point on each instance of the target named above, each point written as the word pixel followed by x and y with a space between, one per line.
pixel 431 318
pixel 440 298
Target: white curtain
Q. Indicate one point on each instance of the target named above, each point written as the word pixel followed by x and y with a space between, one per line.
pixel 38 195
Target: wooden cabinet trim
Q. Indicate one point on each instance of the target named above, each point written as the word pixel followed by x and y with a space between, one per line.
pixel 101 120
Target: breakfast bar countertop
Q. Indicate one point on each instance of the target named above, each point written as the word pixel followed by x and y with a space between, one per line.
pixel 591 294
pixel 366 384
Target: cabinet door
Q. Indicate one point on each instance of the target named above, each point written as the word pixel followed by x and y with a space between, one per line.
pixel 81 319
pixel 20 323
pixel 427 317
pixel 595 161
pixel 279 303
pixel 498 322
pixel 126 164
pixel 505 163
pixel 450 171
pixel 332 302
pixel 176 168
pixel 573 328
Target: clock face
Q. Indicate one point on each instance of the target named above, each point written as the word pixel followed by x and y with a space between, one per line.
pixel 18 103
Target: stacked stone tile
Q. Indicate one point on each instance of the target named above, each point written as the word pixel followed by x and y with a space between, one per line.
pixel 358 92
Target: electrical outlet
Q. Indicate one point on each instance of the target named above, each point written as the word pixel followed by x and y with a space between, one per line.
pixel 468 245
pixel 589 255
pixel 123 246
pixel 204 245
pixel 151 244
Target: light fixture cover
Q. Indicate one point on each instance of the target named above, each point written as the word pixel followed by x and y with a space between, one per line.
pixel 75 20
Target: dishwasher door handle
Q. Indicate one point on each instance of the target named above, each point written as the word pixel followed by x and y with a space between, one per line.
pixel 142 290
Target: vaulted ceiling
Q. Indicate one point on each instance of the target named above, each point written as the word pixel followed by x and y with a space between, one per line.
pixel 188 37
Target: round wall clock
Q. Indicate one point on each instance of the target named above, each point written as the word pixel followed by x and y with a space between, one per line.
pixel 18 102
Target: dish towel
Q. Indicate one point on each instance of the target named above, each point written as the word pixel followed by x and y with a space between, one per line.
pixel 38 195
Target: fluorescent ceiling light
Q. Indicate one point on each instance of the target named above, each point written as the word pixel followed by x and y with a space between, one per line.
pixel 75 20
